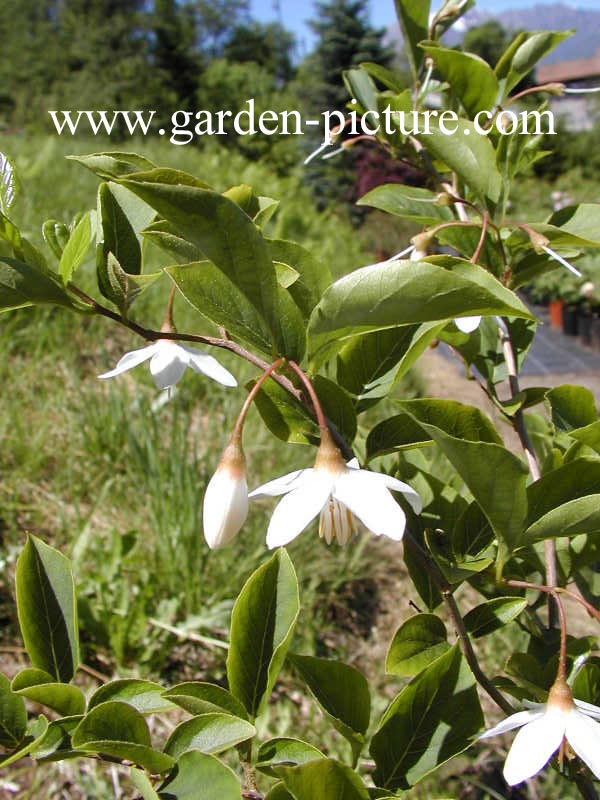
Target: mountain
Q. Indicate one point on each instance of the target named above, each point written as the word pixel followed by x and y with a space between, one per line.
pixel 540 16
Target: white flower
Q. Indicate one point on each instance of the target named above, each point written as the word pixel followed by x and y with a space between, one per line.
pixel 343 494
pixel 544 727
pixel 464 324
pixel 168 360
pixel 226 498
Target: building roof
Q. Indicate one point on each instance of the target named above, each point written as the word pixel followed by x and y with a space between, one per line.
pixel 576 70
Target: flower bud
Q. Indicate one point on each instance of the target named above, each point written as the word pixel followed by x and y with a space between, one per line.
pixel 421 243
pixel 226 497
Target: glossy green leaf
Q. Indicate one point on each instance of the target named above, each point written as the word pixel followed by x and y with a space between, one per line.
pixel 404 431
pixel 34 735
pixel 284 416
pixel 313 276
pixel 142 783
pixel 112 165
pixel 164 235
pixel 56 235
pixel 262 623
pixel 30 676
pixel 523 54
pixel 217 298
pixel 76 248
pixel 413 16
pixel 385 76
pixel 47 609
pixel 470 77
pixel 493 614
pixel 498 486
pixel 198 697
pixel 341 691
pixel 121 218
pixel 572 407
pixel 580 515
pixel 568 482
pixel 581 221
pixel 278 792
pixel 199 776
pixel 267 207
pixel 433 719
pixel 223 232
pixel 121 287
pixel 408 202
pixel 361 89
pixel 244 197
pixel 118 730
pixel 425 586
pixel 416 643
pixel 55 745
pixel 337 405
pixel 284 751
pixel 66 700
pixel 323 778
pixel 399 293
pixel 588 435
pixel 146 697
pixel 468 153
pixel 209 733
pixel 13 716
pixel 25 285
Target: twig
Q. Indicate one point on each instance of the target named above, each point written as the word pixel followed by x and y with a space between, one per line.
pixel 190 635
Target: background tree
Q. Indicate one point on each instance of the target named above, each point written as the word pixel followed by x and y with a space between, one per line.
pixel 270 46
pixel 173 50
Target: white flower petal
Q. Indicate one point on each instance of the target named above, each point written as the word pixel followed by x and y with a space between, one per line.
pixel 353 463
pixel 412 496
pixel 467 324
pixel 583 734
pixel 534 746
pixel 514 721
pixel 588 708
pixel 208 365
pixel 168 365
pixel 369 500
pixel 225 507
pixel 131 360
pixel 294 511
pixel 280 485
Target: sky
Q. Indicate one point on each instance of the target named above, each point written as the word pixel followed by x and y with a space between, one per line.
pixel 294 14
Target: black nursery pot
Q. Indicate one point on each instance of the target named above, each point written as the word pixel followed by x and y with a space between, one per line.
pixel 584 324
pixel 570 320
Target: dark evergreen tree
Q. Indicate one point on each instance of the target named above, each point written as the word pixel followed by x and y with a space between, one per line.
pixel 270 46
pixel 173 51
pixel 216 19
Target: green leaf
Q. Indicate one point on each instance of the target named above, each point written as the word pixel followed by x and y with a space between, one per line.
pixel 498 486
pixel 572 407
pixel 66 700
pixel 164 235
pixel 262 623
pixel 581 515
pixel 25 285
pixel 285 416
pixel 199 776
pixel 198 697
pixel 121 218
pixel 209 733
pixel 337 405
pixel 323 778
pixel 408 202
pixel 243 195
pixel 145 696
pixel 361 89
pixel 118 730
pixel 416 643
pixel 432 720
pixel 493 614
pixel 588 435
pixel 142 783
pixel 123 288
pixel 112 165
pixel 403 431
pixel 34 735
pixel 224 233
pixel 523 54
pixel 284 752
pixel 55 745
pixel 568 482
pixel 313 276
pixel 470 77
pixel 56 235
pixel 30 677
pixel 383 75
pixel 581 221
pixel 342 692
pixel 468 153
pixel 413 16
pixel 278 792
pixel 47 609
pixel 217 298
pixel 369 366
pixel 425 586
pixel 389 295
pixel 13 716
pixel 76 248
